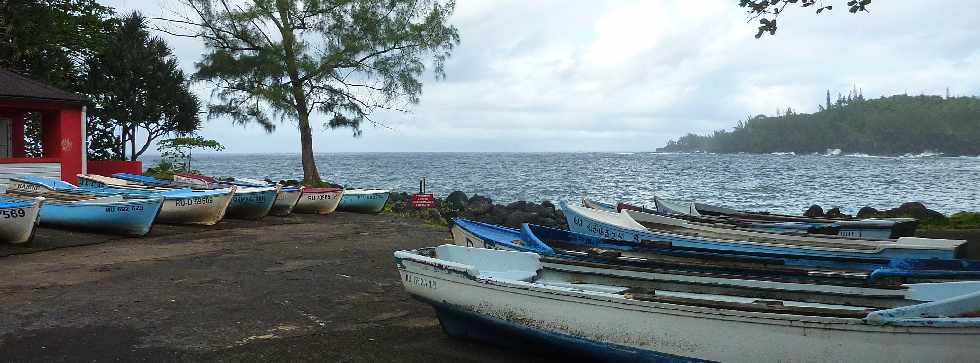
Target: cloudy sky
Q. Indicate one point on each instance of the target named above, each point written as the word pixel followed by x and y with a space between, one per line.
pixel 542 75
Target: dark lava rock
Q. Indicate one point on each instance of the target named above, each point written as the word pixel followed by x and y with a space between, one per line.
pixel 456 200
pixel 514 219
pixel 478 205
pixel 814 211
pixel 835 213
pixel 915 210
pixel 867 212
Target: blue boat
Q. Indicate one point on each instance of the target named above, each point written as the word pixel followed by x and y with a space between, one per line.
pixel 115 214
pixel 180 206
pixel 628 255
pixel 363 200
pixel 249 202
pixel 621 226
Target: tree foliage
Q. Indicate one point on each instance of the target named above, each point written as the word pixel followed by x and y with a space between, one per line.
pixel 768 10
pixel 49 40
pixel 176 155
pixel 137 87
pixel 288 60
pixel 893 125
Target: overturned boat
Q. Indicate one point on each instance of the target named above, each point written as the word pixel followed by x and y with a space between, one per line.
pixel 506 296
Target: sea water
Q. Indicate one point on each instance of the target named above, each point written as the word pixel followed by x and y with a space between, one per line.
pixel 781 183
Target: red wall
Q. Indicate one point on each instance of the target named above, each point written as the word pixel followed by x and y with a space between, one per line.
pixel 62 138
pixel 109 167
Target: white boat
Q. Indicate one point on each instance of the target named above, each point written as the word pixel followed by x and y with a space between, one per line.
pixel 318 200
pixel 505 295
pixel 19 218
pixel 286 200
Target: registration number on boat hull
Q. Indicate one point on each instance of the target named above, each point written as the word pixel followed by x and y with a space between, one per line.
pixel 194 201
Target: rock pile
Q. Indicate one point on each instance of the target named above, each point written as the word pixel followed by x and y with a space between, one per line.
pixel 481 208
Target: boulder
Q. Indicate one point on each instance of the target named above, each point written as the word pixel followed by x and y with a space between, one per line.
pixel 515 218
pixel 814 211
pixel 478 205
pixel 867 212
pixel 835 213
pixel 915 210
pixel 456 200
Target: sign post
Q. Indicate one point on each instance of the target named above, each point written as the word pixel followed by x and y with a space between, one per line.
pixel 423 200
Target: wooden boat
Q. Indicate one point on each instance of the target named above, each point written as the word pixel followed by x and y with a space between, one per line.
pixel 318 200
pixel 656 260
pixel 286 196
pixel 621 226
pixel 763 226
pixel 864 228
pixel 364 200
pixel 180 206
pixel 249 201
pixel 286 200
pixel 19 218
pixel 507 296
pixel 113 214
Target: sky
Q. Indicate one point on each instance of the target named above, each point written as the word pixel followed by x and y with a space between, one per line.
pixel 620 75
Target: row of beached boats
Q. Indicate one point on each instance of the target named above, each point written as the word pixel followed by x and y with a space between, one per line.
pixel 632 284
pixel 129 204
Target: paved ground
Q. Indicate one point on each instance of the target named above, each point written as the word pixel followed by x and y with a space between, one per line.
pixel 301 288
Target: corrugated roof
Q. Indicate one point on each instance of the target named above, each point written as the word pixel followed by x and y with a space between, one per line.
pixel 16 86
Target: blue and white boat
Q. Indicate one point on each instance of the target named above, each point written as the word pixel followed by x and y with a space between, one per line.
pixel 19 218
pixel 249 201
pixel 622 226
pixel 180 206
pixel 663 259
pixel 114 214
pixel 511 297
pixel 364 200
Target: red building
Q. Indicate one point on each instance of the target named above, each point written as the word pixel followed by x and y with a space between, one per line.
pixel 62 130
pixel 63 143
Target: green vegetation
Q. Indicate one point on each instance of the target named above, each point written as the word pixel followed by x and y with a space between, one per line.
pixel 893 125
pixel 134 84
pixel 293 59
pixel 175 155
pixel 768 10
pixel 961 220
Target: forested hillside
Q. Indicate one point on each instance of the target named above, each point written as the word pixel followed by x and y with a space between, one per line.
pixel 893 125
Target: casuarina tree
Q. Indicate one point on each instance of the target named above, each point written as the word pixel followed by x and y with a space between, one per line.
pixel 342 60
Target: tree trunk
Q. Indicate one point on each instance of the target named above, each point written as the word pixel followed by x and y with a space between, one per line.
pixel 311 176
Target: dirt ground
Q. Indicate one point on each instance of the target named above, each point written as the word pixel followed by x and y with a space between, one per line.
pixel 300 288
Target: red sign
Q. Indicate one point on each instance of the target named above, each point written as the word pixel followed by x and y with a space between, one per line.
pixel 423 200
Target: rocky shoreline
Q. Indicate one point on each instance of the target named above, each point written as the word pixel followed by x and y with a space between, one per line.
pixel 483 209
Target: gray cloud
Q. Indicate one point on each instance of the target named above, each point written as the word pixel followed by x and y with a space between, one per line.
pixel 628 75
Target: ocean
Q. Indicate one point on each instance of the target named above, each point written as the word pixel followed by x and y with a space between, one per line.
pixel 783 183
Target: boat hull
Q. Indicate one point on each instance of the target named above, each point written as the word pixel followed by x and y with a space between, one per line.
pixel 318 200
pixel 286 200
pixel 18 223
pixel 580 222
pixel 252 203
pixel 206 209
pixel 658 331
pixel 364 202
pixel 132 217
